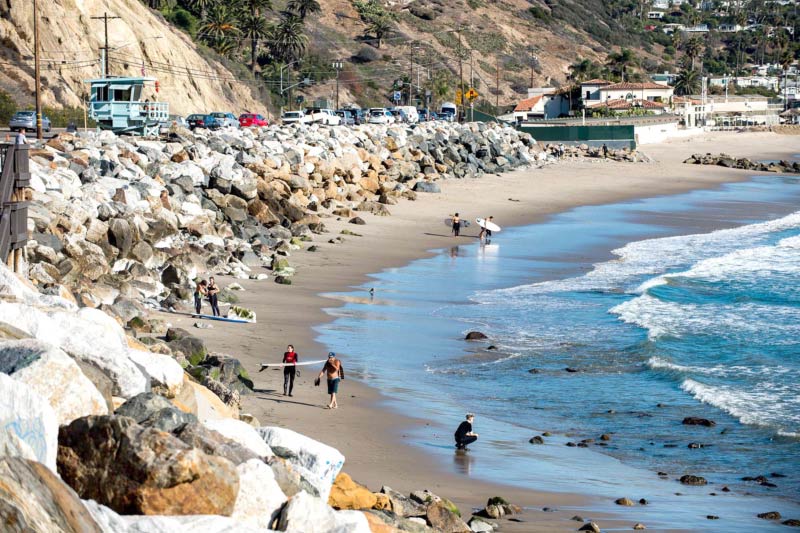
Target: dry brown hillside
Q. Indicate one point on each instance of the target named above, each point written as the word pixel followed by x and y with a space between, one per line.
pixel 70 40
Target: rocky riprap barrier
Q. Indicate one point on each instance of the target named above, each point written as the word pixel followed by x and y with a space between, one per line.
pixel 100 434
pixel 727 161
pixel 573 151
pixel 237 202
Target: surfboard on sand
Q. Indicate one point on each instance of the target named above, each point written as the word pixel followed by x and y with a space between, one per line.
pixel 449 222
pixel 209 317
pixel 491 226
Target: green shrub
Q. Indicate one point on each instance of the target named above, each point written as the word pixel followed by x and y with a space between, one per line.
pixel 7 107
pixel 184 20
pixel 540 13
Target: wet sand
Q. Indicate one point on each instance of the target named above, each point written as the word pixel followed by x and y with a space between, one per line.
pixel 369 434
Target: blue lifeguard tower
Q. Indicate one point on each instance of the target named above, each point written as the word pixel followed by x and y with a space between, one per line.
pixel 116 104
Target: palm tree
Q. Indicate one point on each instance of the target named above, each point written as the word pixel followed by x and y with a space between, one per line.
pixel 693 48
pixel 687 82
pixel 203 6
pixel 619 62
pixel 380 25
pixel 287 40
pixel 220 30
pixel 254 26
pixel 303 8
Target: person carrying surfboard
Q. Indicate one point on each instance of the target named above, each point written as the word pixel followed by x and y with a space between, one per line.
pixel 291 359
pixel 486 232
pixel 334 371
pixel 456 225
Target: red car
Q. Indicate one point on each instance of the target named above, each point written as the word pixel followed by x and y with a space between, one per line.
pixel 249 120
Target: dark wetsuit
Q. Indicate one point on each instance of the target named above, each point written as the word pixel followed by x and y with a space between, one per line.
pixel 289 372
pixel 456 226
pixel 462 439
pixel 213 290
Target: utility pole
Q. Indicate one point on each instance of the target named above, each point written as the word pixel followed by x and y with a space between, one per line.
pixel 411 71
pixel 36 70
pixel 106 64
pixel 460 69
pixel 338 66
pixel 496 87
pixel 471 85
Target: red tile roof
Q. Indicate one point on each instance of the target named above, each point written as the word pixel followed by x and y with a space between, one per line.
pixel 596 81
pixel 621 104
pixel 628 86
pixel 528 103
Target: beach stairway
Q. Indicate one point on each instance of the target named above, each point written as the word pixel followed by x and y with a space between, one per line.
pixel 14 178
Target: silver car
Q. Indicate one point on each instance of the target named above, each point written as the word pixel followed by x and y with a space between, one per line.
pixel 226 119
pixel 27 120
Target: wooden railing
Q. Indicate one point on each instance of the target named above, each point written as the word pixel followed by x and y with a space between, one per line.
pixel 14 178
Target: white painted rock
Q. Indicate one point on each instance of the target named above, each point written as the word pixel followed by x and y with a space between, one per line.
pixel 89 335
pixel 242 433
pixel 165 373
pixel 315 461
pixel 29 425
pixel 260 498
pixel 54 376
pixel 307 514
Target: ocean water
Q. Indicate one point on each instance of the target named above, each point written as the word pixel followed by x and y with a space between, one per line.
pixel 686 305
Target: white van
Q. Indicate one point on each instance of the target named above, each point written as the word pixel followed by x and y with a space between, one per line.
pixel 410 111
pixel 448 112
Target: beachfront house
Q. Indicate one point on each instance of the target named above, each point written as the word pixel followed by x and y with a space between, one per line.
pixel 626 96
pixel 543 103
pixel 765 82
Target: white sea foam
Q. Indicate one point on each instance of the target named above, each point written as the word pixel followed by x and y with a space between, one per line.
pixel 658 363
pixel 653 257
pixel 767 404
pixel 662 318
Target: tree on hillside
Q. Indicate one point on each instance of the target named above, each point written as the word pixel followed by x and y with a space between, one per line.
pixel 303 8
pixel 583 69
pixel 687 82
pixel 203 6
pixel 693 48
pixel 620 62
pixel 378 19
pixel 254 26
pixel 220 30
pixel 288 41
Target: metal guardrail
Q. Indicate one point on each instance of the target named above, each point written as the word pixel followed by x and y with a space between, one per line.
pixel 14 177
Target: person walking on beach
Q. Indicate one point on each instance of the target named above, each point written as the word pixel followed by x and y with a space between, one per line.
pixel 200 290
pixel 290 357
pixel 334 372
pixel 605 150
pixel 213 298
pixel 485 232
pixel 464 434
pixel 456 225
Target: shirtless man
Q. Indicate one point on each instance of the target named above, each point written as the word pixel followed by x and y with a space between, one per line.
pixel 334 372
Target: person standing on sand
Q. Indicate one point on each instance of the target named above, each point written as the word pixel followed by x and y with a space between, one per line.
pixel 456 225
pixel 334 371
pixel 200 290
pixel 213 298
pixel 605 150
pixel 464 434
pixel 290 357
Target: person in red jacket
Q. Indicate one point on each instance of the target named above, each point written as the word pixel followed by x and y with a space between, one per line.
pixel 290 357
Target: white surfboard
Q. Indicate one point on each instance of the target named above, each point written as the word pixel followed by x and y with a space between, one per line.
pixel 280 365
pixel 491 226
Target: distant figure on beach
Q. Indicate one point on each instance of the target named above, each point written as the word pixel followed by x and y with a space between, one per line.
pixel 456 225
pixel 464 434
pixel 21 138
pixel 200 290
pixel 334 372
pixel 486 233
pixel 561 150
pixel 605 150
pixel 372 293
pixel 71 127
pixel 290 357
pixel 213 292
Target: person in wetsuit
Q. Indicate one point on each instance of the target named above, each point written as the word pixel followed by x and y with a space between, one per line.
pixel 290 357
pixel 456 225
pixel 464 434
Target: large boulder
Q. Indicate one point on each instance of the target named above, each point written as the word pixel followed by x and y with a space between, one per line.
pixel 198 435
pixel 308 514
pixel 318 463
pixel 403 506
pixel 89 335
pixel 443 519
pixel 152 410
pixel 52 374
pixel 165 373
pixel 33 499
pixel 137 470
pixel 347 494
pixel 241 433
pixel 28 424
pixel 260 498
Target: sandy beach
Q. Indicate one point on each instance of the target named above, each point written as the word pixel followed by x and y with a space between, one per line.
pixel 370 436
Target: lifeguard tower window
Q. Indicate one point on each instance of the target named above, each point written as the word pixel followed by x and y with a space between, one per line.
pixel 102 94
pixel 122 94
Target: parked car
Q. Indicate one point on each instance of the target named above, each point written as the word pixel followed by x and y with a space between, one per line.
pixel 423 115
pixel 448 112
pixel 380 115
pixel 293 117
pixel 346 116
pixel 198 120
pixel 399 115
pixel 322 116
pixel 360 116
pixel 176 120
pixel 249 120
pixel 410 113
pixel 226 119
pixel 27 120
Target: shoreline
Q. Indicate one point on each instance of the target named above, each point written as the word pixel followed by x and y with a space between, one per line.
pixel 363 429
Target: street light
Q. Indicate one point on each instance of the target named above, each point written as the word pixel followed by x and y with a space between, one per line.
pixel 284 67
pixel 305 82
